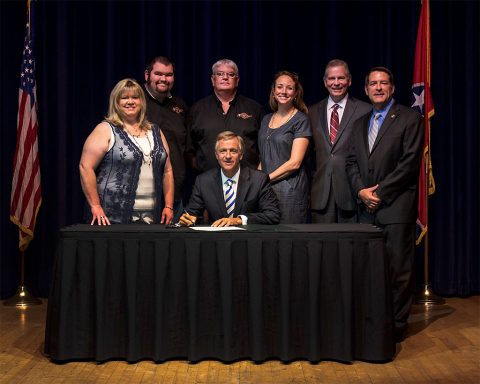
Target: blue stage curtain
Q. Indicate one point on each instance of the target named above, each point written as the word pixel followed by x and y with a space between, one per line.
pixel 85 47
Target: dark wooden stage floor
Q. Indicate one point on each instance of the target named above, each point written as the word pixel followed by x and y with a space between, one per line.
pixel 442 347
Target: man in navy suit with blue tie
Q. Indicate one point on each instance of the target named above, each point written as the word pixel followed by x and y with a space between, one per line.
pixel 232 194
pixel 383 166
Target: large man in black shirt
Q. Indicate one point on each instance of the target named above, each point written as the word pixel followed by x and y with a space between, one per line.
pixel 168 112
pixel 224 110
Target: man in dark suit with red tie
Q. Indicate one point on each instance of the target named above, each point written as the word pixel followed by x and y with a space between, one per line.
pixel 383 167
pixel 332 120
pixel 232 194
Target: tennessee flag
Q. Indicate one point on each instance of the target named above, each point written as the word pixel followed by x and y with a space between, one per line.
pixel 26 192
pixel 422 102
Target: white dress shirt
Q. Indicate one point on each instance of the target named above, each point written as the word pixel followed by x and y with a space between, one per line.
pixel 234 178
pixel 341 108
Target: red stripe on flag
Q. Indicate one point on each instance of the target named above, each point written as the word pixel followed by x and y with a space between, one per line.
pixel 24 152
pixel 23 97
pixel 36 201
pixel 30 168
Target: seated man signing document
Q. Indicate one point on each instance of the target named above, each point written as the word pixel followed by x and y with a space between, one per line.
pixel 233 194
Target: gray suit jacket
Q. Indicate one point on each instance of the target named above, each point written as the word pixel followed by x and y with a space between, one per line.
pixel 330 159
pixel 394 163
pixel 255 197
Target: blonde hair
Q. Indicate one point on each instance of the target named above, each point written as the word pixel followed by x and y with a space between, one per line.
pixel 114 114
pixel 229 135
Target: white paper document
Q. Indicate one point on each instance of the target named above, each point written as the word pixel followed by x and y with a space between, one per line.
pixel 217 229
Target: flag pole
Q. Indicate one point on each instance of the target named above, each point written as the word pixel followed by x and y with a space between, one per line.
pixel 22 298
pixel 427 296
pixel 26 190
pixel 423 103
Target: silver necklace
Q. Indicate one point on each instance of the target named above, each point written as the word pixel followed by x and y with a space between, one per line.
pixel 147 159
pixel 271 125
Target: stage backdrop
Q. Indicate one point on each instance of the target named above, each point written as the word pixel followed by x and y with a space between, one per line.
pixel 84 47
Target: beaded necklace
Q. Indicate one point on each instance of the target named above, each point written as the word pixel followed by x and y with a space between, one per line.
pixel 147 158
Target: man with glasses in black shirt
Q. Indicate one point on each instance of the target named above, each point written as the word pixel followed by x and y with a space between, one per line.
pixel 224 110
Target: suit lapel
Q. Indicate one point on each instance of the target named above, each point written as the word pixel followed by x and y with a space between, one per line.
pixel 323 121
pixel 218 193
pixel 242 188
pixel 387 123
pixel 347 115
pixel 365 124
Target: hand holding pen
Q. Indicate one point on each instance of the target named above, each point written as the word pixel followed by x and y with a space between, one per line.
pixel 187 220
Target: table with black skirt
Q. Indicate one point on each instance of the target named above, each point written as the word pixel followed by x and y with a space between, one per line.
pixel 288 292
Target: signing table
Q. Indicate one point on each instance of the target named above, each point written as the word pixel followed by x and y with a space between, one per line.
pixel 284 292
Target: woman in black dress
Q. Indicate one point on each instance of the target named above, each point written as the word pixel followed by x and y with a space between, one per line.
pixel 283 141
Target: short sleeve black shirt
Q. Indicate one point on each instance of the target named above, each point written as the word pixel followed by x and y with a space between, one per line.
pixel 206 120
pixel 170 115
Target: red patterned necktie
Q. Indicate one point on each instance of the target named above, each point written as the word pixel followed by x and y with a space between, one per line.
pixel 334 123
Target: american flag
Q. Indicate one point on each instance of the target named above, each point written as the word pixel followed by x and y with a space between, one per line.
pixel 26 192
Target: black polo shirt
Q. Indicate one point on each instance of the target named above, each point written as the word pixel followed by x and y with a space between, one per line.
pixel 170 116
pixel 206 120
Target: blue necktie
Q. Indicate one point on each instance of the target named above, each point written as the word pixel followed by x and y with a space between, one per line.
pixel 372 135
pixel 229 197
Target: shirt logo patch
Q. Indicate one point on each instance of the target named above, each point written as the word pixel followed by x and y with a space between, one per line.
pixel 177 110
pixel 244 115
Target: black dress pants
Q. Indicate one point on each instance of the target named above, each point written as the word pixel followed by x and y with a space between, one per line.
pixel 400 244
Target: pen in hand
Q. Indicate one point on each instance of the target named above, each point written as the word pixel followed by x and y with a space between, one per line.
pixel 187 220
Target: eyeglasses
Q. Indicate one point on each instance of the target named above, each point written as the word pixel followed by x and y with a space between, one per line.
pixel 228 74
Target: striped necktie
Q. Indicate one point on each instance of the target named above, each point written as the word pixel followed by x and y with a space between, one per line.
pixel 229 197
pixel 334 123
pixel 372 135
